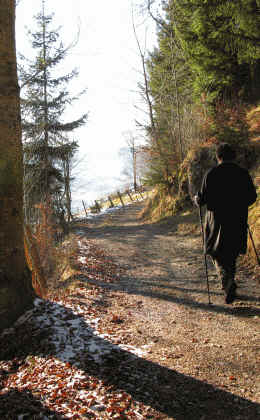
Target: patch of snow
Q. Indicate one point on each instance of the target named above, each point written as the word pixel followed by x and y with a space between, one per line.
pixel 25 317
pixel 7 331
pixel 82 260
pixel 98 350
pixel 104 210
pixel 74 334
pixel 38 302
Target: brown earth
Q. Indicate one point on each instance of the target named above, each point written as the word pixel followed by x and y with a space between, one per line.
pixel 206 355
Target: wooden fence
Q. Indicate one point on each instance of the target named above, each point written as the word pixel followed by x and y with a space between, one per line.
pixel 121 198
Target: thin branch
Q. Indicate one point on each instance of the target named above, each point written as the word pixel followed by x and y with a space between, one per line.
pixel 146 90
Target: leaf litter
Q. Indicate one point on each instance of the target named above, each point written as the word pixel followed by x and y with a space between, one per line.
pixel 52 352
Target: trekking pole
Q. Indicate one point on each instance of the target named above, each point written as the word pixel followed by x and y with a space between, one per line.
pixel 205 257
pixel 251 237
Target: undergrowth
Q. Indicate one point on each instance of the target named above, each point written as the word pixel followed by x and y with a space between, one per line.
pixel 48 254
pixel 161 205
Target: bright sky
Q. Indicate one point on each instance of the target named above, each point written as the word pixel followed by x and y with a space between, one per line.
pixel 109 67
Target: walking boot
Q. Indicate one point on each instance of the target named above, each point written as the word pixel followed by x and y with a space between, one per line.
pixel 231 294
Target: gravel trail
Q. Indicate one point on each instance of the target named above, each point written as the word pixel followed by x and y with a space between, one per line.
pixel 209 353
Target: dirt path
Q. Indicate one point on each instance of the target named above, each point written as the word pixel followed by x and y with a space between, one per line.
pixel 209 353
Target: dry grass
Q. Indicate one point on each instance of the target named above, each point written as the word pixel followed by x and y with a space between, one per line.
pixel 158 206
pixel 63 264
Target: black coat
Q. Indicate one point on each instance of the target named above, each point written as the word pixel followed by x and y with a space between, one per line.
pixel 227 191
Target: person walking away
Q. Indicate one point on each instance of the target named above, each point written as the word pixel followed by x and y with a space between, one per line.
pixel 227 191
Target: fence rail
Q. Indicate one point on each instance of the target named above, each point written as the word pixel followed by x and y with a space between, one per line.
pixel 121 198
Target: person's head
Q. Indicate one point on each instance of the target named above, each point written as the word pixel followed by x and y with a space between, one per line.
pixel 225 152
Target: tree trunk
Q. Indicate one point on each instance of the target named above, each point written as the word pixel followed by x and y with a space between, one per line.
pixel 67 190
pixel 16 291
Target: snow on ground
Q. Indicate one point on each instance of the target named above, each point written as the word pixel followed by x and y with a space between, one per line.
pixel 73 337
pixel 69 339
pixel 104 210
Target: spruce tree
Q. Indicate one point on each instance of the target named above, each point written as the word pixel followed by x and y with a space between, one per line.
pixel 169 83
pixel 45 97
pixel 204 71
pixel 221 42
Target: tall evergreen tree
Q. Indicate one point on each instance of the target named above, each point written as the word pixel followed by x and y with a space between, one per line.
pixel 221 40
pixel 44 100
pixel 207 59
pixel 169 83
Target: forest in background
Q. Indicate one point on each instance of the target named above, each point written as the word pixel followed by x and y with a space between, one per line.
pixel 201 80
pixel 201 87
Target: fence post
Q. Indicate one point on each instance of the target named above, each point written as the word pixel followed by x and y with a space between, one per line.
pixel 140 193
pixel 129 195
pixel 85 208
pixel 111 202
pixel 120 198
pixel 97 206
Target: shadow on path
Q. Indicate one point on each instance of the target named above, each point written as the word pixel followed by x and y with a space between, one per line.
pixel 146 288
pixel 160 250
pixel 23 403
pixel 166 390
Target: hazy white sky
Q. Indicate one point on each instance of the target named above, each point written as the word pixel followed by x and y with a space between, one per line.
pixel 109 67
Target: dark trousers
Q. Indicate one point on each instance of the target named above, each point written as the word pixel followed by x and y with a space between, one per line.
pixel 226 270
